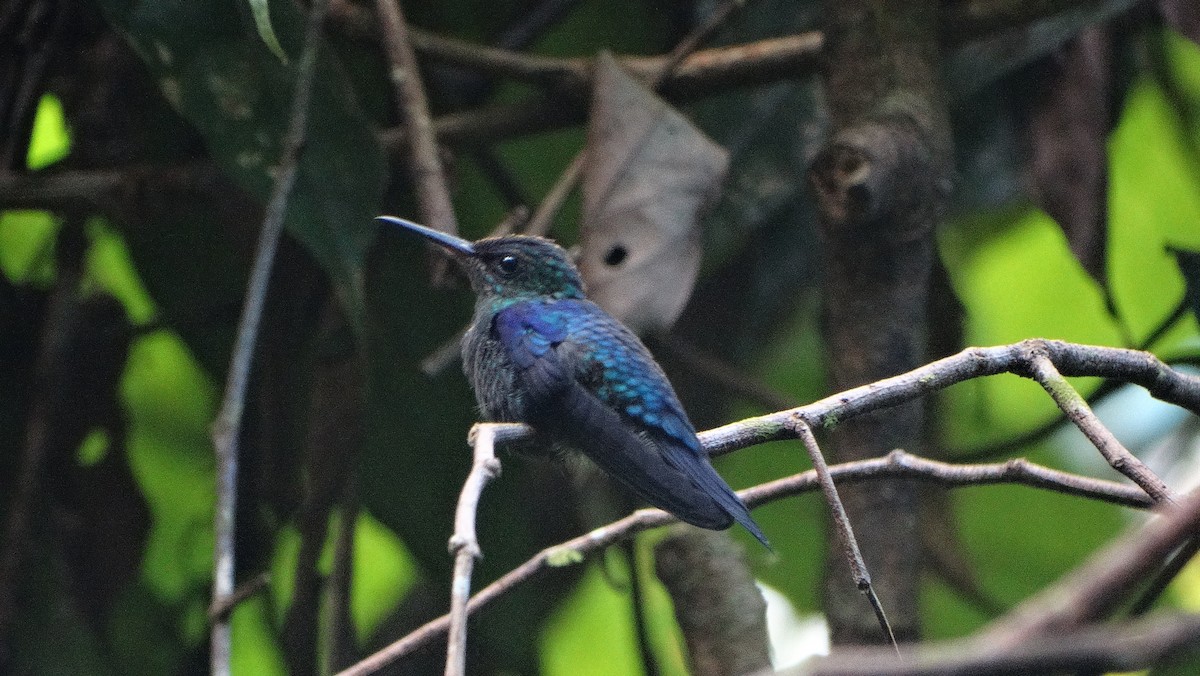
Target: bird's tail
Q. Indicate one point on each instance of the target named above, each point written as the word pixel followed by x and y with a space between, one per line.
pixel 662 470
pixel 712 484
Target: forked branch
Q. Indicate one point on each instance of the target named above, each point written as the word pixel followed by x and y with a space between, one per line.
pixel 1046 361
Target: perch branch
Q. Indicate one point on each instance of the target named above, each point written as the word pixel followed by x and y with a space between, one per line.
pixel 226 428
pixel 895 464
pixel 1070 359
pixel 1139 368
pixel 464 544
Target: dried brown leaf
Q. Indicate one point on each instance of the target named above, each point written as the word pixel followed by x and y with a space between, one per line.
pixel 648 176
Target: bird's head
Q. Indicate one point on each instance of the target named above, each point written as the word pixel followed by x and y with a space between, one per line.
pixel 513 267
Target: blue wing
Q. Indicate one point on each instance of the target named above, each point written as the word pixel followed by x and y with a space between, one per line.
pixel 592 384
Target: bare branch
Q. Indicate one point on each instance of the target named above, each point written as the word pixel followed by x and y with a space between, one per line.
pixel 1077 410
pixel 226 429
pixel 896 464
pixel 841 523
pixel 542 218
pixel 752 63
pixel 464 544
pixel 1139 368
pixel 1070 359
pixel 100 188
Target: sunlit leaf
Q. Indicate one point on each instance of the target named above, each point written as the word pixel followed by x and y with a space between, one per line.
pixel 49 141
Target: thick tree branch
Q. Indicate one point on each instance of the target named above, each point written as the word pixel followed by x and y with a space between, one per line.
pixel 720 610
pixel 881 184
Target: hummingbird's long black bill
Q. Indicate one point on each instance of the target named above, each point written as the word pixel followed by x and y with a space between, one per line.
pixel 455 244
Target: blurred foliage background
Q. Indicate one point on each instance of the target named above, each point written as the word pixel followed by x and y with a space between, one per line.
pixel 148 159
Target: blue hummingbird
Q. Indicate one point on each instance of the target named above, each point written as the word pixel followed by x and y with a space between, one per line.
pixel 539 352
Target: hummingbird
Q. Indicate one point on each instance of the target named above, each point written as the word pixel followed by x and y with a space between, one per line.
pixel 539 352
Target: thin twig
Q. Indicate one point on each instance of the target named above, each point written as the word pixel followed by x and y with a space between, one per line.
pixel 464 544
pixel 1077 410
pixel 858 567
pixel 895 464
pixel 244 591
pixel 226 428
pixel 433 196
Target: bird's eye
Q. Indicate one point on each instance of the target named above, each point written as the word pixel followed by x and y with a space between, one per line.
pixel 508 265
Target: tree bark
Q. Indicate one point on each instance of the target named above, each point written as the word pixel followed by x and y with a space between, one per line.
pixel 881 183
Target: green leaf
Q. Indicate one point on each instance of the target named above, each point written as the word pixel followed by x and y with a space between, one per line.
pixel 238 96
pixel 262 20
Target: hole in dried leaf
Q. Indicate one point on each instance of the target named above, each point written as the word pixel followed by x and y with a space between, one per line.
pixel 616 255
